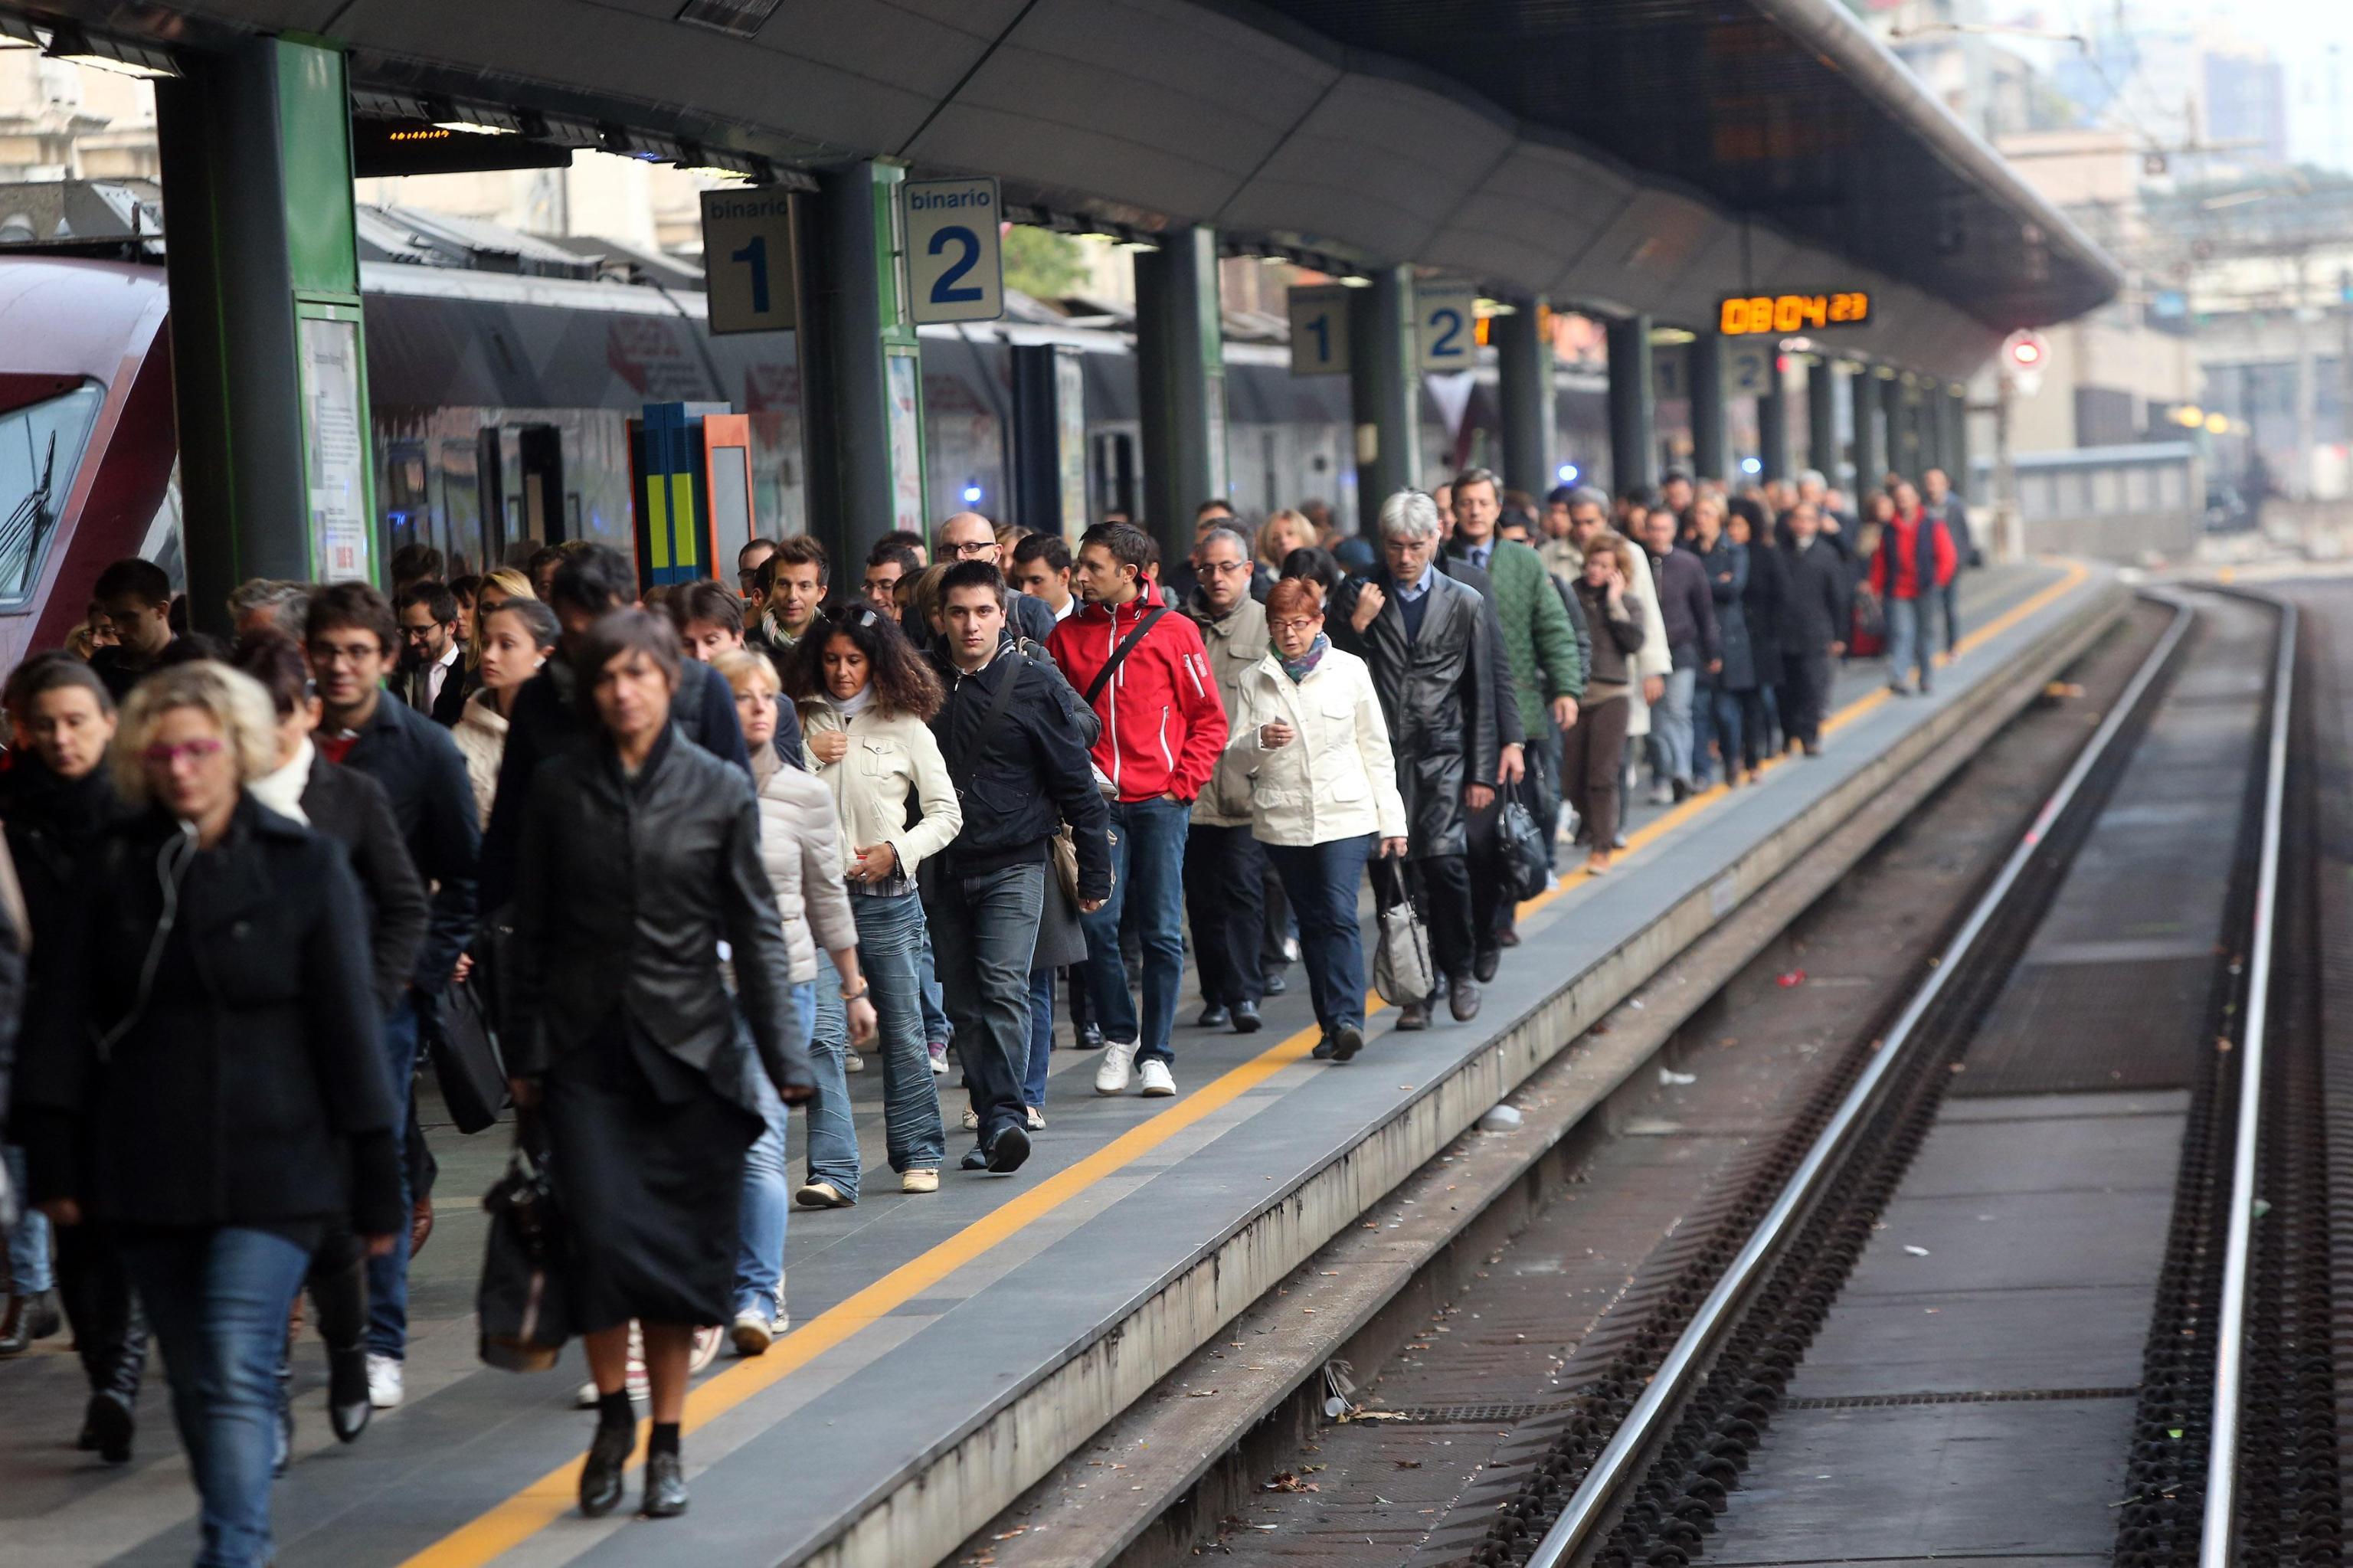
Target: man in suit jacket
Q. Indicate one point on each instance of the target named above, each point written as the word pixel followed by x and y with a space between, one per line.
pixel 1812 627
pixel 433 674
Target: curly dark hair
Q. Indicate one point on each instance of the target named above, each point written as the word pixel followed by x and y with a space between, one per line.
pixel 901 681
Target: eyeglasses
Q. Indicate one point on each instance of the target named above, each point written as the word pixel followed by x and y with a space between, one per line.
pixel 974 550
pixel 1225 569
pixel 344 653
pixel 1291 625
pixel 193 750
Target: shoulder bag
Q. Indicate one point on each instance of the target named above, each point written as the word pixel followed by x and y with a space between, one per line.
pixel 1402 968
pixel 1526 866
pixel 523 1303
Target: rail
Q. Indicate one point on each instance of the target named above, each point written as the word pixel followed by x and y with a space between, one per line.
pixel 1590 1506
pixel 2216 1541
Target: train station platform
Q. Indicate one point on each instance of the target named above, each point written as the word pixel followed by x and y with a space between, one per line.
pixel 948 1350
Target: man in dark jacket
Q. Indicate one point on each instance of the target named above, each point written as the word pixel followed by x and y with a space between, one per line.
pixel 1942 504
pixel 135 597
pixel 590 584
pixel 1687 611
pixel 1813 625
pixel 1432 653
pixel 355 646
pixel 1009 734
pixel 969 536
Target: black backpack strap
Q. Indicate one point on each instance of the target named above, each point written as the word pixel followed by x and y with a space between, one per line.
pixel 1119 654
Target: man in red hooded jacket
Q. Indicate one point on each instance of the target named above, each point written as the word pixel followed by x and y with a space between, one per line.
pixel 1916 560
pixel 1144 671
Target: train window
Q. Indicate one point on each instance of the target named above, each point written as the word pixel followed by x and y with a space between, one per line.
pixel 40 451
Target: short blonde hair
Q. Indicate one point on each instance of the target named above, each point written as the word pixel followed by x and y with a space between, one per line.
pixel 237 701
pixel 742 667
pixel 1281 522
pixel 508 581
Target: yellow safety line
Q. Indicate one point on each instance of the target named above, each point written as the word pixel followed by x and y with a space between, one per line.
pixel 544 1501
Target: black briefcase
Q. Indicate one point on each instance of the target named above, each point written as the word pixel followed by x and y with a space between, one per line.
pixel 523 1304
pixel 466 1059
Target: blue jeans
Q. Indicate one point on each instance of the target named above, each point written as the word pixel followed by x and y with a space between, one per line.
pixel 28 1244
pixel 1147 862
pixel 760 1223
pixel 1950 597
pixel 1041 1036
pixel 1671 725
pixel 387 1276
pixel 938 1028
pixel 1322 880
pixel 1908 633
pixel 218 1300
pixel 889 938
pixel 984 930
pixel 1717 720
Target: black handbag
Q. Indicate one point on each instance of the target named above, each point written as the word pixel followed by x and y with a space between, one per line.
pixel 1526 853
pixel 464 1046
pixel 523 1304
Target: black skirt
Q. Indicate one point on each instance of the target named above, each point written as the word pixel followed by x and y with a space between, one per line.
pixel 647 1161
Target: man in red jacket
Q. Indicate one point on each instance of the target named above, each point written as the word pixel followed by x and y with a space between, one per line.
pixel 1143 670
pixel 1915 562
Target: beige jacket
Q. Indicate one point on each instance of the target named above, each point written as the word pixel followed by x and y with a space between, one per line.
pixel 888 760
pixel 480 733
pixel 1236 643
pixel 1337 779
pixel 1653 658
pixel 800 845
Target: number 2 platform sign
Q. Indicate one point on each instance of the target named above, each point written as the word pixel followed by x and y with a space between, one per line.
pixel 956 266
pixel 748 258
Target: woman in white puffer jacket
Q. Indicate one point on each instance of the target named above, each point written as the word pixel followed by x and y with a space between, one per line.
pixel 1308 734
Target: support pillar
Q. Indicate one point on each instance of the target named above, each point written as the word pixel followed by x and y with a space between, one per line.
pixel 268 359
pixel 1707 378
pixel 1180 378
pixel 1523 385
pixel 1382 390
pixel 1822 417
pixel 1891 413
pixel 1050 439
pixel 1870 456
pixel 861 371
pixel 1956 441
pixel 1773 422
pixel 1634 450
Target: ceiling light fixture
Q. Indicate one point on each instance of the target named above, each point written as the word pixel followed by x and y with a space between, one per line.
pixel 71 43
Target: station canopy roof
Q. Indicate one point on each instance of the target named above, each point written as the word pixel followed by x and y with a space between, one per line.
pixel 1614 155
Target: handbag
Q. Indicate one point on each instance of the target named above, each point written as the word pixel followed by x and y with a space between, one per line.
pixel 1868 635
pixel 1401 972
pixel 523 1304
pixel 1526 856
pixel 464 1046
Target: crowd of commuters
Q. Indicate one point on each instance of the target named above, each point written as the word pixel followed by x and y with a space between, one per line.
pixel 689 850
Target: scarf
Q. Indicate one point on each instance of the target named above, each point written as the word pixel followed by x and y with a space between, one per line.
pixel 850 707
pixel 1299 669
pixel 281 789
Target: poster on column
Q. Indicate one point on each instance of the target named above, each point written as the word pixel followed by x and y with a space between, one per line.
pixel 955 260
pixel 336 449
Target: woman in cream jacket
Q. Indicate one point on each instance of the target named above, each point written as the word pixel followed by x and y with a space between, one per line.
pixel 1308 734
pixel 866 699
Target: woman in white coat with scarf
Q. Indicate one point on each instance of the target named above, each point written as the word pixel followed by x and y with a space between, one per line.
pixel 1309 736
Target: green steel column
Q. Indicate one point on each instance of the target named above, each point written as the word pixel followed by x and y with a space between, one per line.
pixel 1633 454
pixel 1957 438
pixel 1870 456
pixel 1706 375
pixel 269 368
pixel 1384 389
pixel 1900 449
pixel 1928 418
pixel 1523 383
pixel 861 371
pixel 1773 422
pixel 1821 417
pixel 1180 378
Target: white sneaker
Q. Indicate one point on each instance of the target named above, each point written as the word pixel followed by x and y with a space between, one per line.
pixel 851 1062
pixel 634 1380
pixel 707 1341
pixel 1111 1076
pixel 1662 793
pixel 752 1333
pixel 385 1389
pixel 938 1051
pixel 971 1119
pixel 1157 1079
pixel 1035 1119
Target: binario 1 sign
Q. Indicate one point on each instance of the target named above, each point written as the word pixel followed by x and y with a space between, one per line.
pixel 955 264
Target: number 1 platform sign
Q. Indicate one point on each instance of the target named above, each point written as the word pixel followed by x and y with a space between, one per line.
pixel 956 266
pixel 748 257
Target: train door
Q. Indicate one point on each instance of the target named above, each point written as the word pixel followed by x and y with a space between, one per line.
pixel 539 450
pixel 1113 472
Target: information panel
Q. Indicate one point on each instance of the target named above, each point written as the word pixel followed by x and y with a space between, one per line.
pixel 1755 316
pixel 1319 329
pixel 1446 326
pixel 954 260
pixel 749 260
pixel 336 448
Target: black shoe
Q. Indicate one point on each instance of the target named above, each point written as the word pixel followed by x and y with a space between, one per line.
pixel 1274 985
pixel 1246 1018
pixel 1213 1016
pixel 282 1457
pixel 1685 788
pixel 1464 1002
pixel 1414 1015
pixel 347 1393
pixel 1005 1156
pixel 107 1426
pixel 16 1327
pixel 1346 1040
pixel 974 1159
pixel 609 1455
pixel 1089 1036
pixel 41 1315
pixel 1485 962
pixel 665 1488
pixel 1324 1049
pixel 1507 938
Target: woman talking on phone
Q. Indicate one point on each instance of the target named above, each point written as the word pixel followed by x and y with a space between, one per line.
pixel 1597 742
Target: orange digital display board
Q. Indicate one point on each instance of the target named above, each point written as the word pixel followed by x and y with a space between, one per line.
pixel 1756 315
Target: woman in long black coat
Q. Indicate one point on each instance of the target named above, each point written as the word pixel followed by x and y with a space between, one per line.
pixel 204 1074
pixel 640 855
pixel 1760 605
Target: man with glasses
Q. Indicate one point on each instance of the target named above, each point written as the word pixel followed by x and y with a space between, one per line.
pixel 1225 867
pixel 354 642
pixel 969 536
pixel 433 677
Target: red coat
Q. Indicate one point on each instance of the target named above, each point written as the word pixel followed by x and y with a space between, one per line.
pixel 1910 545
pixel 1163 726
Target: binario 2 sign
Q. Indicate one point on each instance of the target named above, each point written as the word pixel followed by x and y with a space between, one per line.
pixel 955 264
